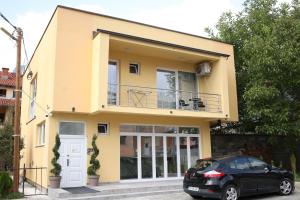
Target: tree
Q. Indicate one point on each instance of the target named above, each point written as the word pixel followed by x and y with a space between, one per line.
pixel 266 39
pixel 56 166
pixel 7 142
pixel 95 164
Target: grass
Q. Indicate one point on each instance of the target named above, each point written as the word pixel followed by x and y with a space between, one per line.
pixel 14 195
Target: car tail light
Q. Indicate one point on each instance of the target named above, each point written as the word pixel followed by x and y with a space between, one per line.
pixel 186 174
pixel 213 174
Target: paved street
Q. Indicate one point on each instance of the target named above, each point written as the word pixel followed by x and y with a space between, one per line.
pixel 183 196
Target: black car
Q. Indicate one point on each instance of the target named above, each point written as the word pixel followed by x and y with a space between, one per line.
pixel 233 177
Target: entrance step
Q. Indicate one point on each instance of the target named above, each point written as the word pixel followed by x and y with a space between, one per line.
pixel 121 190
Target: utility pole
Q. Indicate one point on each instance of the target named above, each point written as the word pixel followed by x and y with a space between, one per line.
pixel 16 136
pixel 16 163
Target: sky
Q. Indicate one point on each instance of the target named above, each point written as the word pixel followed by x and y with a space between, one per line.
pixel 190 16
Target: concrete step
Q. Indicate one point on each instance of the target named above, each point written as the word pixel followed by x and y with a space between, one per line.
pixel 120 190
pixel 125 195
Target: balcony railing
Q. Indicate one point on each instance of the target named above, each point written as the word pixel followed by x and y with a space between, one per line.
pixel 145 97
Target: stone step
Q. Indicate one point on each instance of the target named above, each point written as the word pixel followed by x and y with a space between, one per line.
pixel 125 195
pixel 115 191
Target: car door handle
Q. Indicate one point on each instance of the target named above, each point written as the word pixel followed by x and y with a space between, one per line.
pixel 68 162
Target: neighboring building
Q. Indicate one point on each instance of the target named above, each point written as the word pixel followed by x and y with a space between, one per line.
pixel 7 94
pixel 134 85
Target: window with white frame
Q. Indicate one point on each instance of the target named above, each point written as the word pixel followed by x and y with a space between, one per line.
pixel 103 128
pixel 134 68
pixel 41 134
pixel 32 103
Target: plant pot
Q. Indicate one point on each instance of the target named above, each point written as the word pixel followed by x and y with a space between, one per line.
pixel 54 181
pixel 94 180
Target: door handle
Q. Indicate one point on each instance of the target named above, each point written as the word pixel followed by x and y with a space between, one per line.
pixel 68 162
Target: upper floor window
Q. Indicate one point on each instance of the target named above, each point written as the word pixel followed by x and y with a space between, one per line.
pixel 134 68
pixel 2 92
pixel 41 134
pixel 32 104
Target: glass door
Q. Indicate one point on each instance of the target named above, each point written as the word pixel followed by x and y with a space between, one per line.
pixel 146 156
pixel 113 83
pixel 187 86
pixel 166 92
pixel 159 157
pixel 128 157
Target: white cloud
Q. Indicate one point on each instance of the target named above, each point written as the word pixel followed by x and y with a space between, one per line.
pixel 191 16
pixel 92 8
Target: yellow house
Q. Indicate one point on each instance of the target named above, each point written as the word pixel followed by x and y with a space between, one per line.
pixel 149 93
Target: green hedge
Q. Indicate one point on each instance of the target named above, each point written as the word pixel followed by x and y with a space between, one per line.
pixel 6 184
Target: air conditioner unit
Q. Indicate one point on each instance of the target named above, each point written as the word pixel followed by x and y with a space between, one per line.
pixel 203 69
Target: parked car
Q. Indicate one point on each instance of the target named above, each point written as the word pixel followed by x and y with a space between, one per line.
pixel 233 177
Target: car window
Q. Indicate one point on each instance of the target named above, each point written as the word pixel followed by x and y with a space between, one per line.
pixel 206 164
pixel 257 164
pixel 239 163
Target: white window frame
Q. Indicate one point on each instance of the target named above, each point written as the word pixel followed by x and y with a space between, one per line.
pixel 107 128
pixel 32 100
pixel 138 67
pixel 41 133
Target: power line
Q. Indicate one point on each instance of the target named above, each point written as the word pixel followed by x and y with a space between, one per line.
pixel 8 21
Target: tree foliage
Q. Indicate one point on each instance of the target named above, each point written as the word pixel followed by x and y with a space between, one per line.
pixel 56 166
pixel 7 142
pixel 266 39
pixel 95 164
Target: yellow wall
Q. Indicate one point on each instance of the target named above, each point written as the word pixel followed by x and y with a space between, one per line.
pixel 71 69
pixel 109 145
pixel 76 55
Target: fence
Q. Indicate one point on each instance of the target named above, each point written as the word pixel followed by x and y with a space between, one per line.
pixel 32 180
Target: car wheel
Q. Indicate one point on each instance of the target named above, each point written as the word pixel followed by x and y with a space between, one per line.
pixel 230 192
pixel 286 187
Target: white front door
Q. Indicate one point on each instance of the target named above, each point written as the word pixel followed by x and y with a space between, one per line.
pixel 73 161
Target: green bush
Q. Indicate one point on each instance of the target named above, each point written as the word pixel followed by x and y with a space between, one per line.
pixel 95 164
pixel 6 184
pixel 56 166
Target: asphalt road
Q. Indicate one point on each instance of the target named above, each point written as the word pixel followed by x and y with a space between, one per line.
pixel 183 196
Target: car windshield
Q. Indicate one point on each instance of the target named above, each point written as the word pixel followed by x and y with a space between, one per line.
pixel 206 164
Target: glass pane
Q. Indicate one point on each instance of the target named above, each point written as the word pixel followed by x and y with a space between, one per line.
pixel 146 153
pixel 136 129
pixel 187 89
pixel 71 128
pixel 171 156
pixel 159 152
pixel 194 147
pixel 128 157
pixel 188 130
pixel 166 97
pixel 183 155
pixel 165 129
pixel 112 83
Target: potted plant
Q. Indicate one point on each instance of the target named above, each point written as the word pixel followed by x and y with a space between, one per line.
pixel 95 164
pixel 55 179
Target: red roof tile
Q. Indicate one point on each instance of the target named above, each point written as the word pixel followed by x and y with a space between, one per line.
pixel 7 78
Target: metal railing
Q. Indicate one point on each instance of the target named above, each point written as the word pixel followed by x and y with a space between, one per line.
pixel 145 97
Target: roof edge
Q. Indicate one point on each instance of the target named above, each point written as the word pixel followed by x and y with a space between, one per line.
pixel 140 23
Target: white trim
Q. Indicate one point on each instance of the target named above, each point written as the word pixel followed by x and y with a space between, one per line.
pixel 150 180
pixel 153 157
pixel 118 79
pixel 189 152
pixel 107 128
pixel 139 154
pixel 164 136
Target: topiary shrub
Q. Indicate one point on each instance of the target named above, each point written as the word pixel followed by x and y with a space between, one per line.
pixel 56 166
pixel 6 184
pixel 95 164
